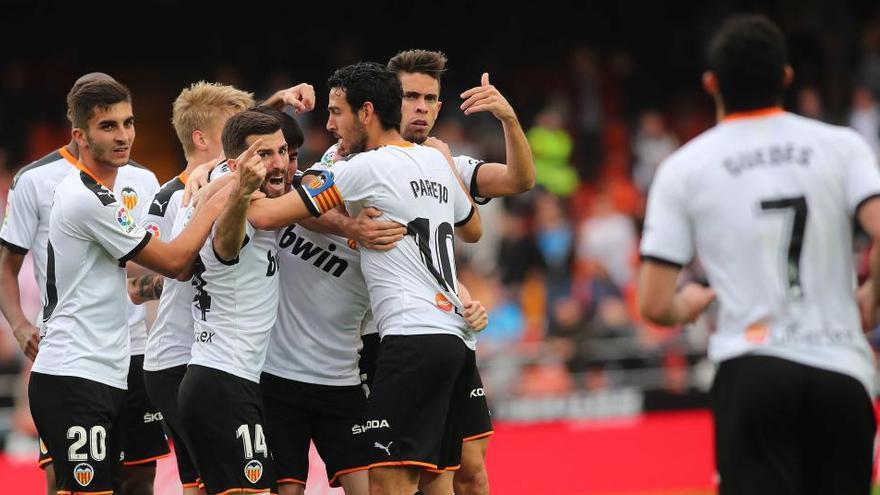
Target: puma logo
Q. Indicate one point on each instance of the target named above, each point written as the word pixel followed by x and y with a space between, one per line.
pixel 160 205
pixel 383 447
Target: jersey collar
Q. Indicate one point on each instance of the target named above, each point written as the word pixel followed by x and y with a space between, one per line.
pixel 750 114
pixel 84 170
pixel 67 156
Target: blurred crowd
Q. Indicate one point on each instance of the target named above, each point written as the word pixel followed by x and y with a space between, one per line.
pixel 557 266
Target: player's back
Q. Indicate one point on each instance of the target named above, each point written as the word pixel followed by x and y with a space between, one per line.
pixel 770 199
pixel 412 185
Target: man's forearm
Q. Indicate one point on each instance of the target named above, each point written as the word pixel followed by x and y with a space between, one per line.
pixel 145 288
pixel 230 231
pixel 520 165
pixel 333 222
pixel 10 296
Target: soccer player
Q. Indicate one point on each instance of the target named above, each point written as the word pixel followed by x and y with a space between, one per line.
pixel 79 378
pixel 26 228
pixel 234 309
pixel 414 186
pixel 419 72
pixel 198 116
pixel 767 199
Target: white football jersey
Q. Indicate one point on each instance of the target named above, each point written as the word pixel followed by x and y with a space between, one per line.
pixel 767 200
pixel 467 169
pixel 26 226
pixel 410 287
pixel 91 237
pixel 170 338
pixel 235 305
pixel 322 300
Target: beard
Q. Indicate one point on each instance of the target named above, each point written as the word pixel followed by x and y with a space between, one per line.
pixel 104 154
pixel 359 139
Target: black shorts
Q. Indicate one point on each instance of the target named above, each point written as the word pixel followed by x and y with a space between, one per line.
pixel 144 439
pixel 477 418
pixel 369 355
pixel 416 408
pixel 223 419
pixel 162 387
pixel 331 416
pixel 786 428
pixel 79 420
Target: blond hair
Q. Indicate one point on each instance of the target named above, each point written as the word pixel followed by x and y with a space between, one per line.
pixel 199 107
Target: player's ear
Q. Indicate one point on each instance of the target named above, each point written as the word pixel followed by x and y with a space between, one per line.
pixel 366 113
pixel 439 106
pixel 198 139
pixel 710 82
pixel 232 164
pixel 79 136
pixel 787 76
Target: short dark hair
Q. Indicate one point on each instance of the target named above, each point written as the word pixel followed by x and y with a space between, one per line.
pixel 748 55
pixel 242 125
pixel 369 81
pixel 96 94
pixel 426 62
pixel 293 134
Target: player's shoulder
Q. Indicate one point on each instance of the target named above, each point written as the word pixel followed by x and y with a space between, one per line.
pixel 163 197
pixel 52 164
pixel 137 173
pixel 80 192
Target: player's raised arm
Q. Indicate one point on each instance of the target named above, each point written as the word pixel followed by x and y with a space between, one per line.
pixel 498 179
pixel 230 232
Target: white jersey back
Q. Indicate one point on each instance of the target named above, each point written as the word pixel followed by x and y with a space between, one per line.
pixel 767 201
pixel 170 339
pixel 409 286
pixel 235 305
pixel 322 300
pixel 91 236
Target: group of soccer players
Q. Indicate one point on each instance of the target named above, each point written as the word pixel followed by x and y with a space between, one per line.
pixel 274 290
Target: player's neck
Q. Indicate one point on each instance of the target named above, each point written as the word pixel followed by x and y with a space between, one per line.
pixel 72 148
pixel 196 159
pixel 103 174
pixel 384 137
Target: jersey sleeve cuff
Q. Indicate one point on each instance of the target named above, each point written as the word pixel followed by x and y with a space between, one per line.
pixel 137 249
pixel 467 218
pixel 473 187
pixel 307 200
pixel 661 261
pixel 13 247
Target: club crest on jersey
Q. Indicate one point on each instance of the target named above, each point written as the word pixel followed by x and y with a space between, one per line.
pixel 442 302
pixel 129 197
pixel 83 474
pixel 253 471
pixel 123 217
pixel 153 229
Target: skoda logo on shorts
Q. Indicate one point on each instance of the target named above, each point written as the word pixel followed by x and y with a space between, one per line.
pixel 83 474
pixel 253 471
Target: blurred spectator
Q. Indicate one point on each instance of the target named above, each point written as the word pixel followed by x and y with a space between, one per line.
pixel 607 241
pixel 555 238
pixel 551 148
pixel 517 252
pixel 864 117
pixel 652 144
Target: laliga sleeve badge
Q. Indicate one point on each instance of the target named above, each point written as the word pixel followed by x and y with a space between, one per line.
pixel 253 471
pixel 123 218
pixel 153 229
pixel 83 474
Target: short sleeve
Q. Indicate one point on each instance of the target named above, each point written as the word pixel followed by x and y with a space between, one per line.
pixel 862 180
pixel 467 169
pixel 668 236
pixel 323 190
pixel 112 226
pixel 21 218
pixel 463 208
